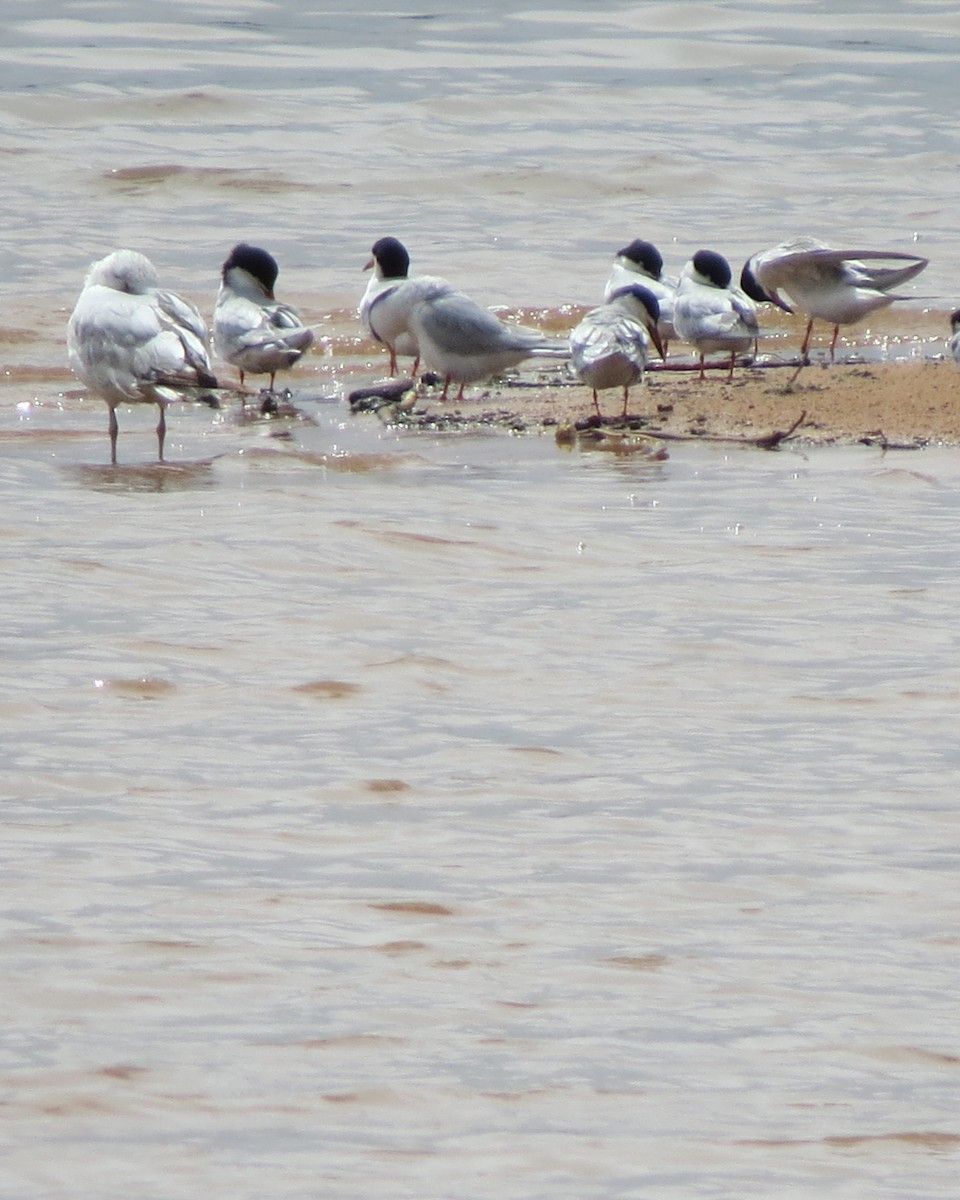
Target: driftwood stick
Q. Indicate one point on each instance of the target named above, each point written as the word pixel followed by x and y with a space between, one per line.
pixel 878 438
pixel 765 441
pixel 750 365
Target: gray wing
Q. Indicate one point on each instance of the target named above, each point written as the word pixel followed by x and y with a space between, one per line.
pixel 182 313
pixel 284 316
pixel 745 309
pixel 460 326
pixel 179 318
pixel 849 266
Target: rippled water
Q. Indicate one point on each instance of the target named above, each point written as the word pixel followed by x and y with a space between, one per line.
pixel 529 143
pixel 405 815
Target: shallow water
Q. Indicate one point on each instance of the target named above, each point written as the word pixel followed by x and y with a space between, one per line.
pixel 410 815
pixel 460 817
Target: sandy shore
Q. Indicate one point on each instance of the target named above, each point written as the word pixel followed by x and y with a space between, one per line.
pixel 912 404
pixel 910 399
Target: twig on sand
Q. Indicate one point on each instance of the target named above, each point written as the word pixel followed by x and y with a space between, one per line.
pixel 682 367
pixel 765 441
pixel 877 437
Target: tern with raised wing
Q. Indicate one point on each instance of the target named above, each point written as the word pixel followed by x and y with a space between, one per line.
pixel 838 286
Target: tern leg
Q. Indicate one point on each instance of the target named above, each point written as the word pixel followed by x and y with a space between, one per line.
pixel 161 431
pixel 793 378
pixel 626 401
pixel 702 375
pixel 416 365
pixel 596 404
pixel 805 348
pixel 114 430
pixel 833 344
pixel 460 391
pixel 730 372
pixel 446 384
pixel 393 360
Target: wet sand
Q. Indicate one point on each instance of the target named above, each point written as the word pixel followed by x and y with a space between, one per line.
pixel 884 403
pixel 891 385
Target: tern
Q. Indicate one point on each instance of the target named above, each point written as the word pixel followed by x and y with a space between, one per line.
pixel 954 343
pixel 710 313
pixel 641 262
pixel 838 286
pixel 610 345
pixel 390 297
pixel 463 342
pixel 252 330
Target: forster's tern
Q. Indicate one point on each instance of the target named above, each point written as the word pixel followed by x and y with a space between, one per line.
pixel 641 262
pixel 252 330
pixel 711 314
pixel 390 296
pixel 839 286
pixel 463 342
pixel 609 347
pixel 133 342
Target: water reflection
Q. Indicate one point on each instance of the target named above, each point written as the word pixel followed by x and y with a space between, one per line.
pixel 177 476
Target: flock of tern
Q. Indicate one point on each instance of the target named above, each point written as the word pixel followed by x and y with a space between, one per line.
pixel 131 341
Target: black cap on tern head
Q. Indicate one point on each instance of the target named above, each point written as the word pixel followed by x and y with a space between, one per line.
pixel 644 295
pixel 254 261
pixel 756 291
pixel 713 266
pixel 649 301
pixel 748 281
pixel 644 254
pixel 391 257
